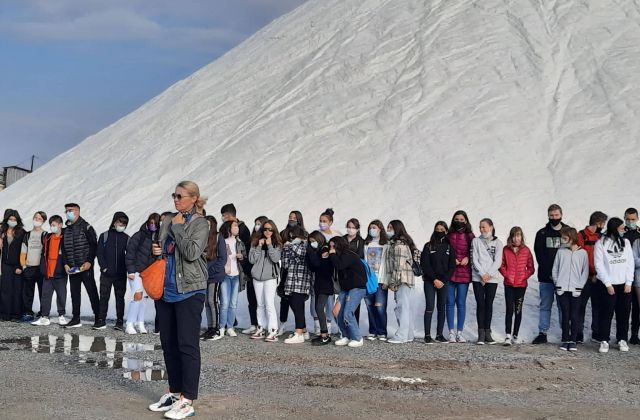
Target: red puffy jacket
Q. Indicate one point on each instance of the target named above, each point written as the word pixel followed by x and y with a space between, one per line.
pixel 517 267
pixel 587 240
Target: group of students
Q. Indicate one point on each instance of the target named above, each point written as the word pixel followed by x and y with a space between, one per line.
pixel 208 267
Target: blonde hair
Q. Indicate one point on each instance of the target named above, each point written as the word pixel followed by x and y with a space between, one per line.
pixel 194 191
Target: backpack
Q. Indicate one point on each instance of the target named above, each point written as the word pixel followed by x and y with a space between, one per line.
pixel 372 278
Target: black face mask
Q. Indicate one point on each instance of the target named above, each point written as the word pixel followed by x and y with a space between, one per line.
pixel 292 223
pixel 599 230
pixel 439 235
pixel 459 225
pixel 555 222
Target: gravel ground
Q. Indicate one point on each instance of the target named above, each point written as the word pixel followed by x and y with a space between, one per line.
pixel 244 379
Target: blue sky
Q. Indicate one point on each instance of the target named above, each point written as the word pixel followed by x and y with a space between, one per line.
pixel 71 67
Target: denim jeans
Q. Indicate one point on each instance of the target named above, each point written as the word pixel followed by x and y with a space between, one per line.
pixel 456 297
pixel 349 301
pixel 547 294
pixel 229 301
pixel 377 311
pixel 404 315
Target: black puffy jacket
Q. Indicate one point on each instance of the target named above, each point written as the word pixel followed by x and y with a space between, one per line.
pixel 79 243
pixel 111 250
pixel 139 255
pixel 438 261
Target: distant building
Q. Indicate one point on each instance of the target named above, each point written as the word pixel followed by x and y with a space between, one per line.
pixel 10 174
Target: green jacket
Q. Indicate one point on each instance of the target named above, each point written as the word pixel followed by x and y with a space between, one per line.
pixel 190 252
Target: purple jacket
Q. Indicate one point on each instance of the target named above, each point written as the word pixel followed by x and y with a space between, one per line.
pixel 461 244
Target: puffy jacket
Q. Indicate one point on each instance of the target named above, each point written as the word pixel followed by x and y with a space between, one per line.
pixel 399 263
pixel 438 261
pixel 80 243
pixel 461 244
pixel 351 272
pixel 215 268
pixel 587 241
pixel 112 248
pixel 324 272
pixel 265 261
pixel 570 270
pixel 546 246
pixel 517 266
pixel 486 258
pixel 139 254
pixel 614 265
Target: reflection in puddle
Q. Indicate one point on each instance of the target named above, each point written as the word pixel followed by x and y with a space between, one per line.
pixel 101 352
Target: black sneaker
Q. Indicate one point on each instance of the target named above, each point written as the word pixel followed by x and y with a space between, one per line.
pixel 429 340
pixel 440 339
pixel 27 318
pixel 74 323
pixel 321 341
pixel 573 347
pixel 99 325
pixel 119 325
pixel 207 334
pixel 214 333
pixel 540 339
pixel 487 337
pixel 634 340
pixel 564 346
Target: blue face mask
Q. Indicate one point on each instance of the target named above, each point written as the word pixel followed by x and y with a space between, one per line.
pixel 374 233
pixel 70 216
pixel 390 233
pixel 54 229
pixel 631 225
pixel 621 234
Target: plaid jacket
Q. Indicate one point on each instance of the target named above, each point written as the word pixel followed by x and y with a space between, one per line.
pixel 399 260
pixel 299 276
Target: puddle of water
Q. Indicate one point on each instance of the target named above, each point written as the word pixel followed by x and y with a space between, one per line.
pixel 101 352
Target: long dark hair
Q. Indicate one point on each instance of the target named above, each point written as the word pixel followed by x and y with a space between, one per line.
pixel 19 229
pixel 212 241
pixel 434 239
pixel 225 229
pixel 319 238
pixel 468 228
pixel 275 237
pixel 383 239
pixel 341 245
pixel 254 233
pixel 612 231
pixel 400 234
pixel 299 218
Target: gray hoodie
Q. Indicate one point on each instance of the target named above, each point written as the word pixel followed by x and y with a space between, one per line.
pixel 570 270
pixel 486 258
pixel 265 262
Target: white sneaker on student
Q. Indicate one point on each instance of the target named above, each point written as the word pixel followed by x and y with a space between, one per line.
pixel 372 337
pixel 382 337
pixel 258 333
pixel 295 339
pixel 165 403
pixel 43 321
pixel 306 336
pixel 130 329
pixel 218 336
pixel 249 330
pixel 623 346
pixel 604 347
pixel 460 338
pixel 231 332
pixel 62 320
pixel 141 328
pixel 180 410
pixel 452 336
pixel 356 343
pixel 342 342
pixel 272 337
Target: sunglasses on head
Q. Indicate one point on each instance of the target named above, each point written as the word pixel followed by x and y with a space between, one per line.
pixel 177 196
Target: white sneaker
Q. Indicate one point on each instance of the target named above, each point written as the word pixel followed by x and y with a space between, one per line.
pixel 62 320
pixel 231 332
pixel 43 321
pixel 460 338
pixel 165 403
pixel 219 336
pixel 623 346
pixel 507 341
pixel 382 337
pixel 295 339
pixel 604 347
pixel 342 342
pixel 395 341
pixel 372 338
pixel 258 333
pixel 272 337
pixel 452 336
pixel 180 410
pixel 356 343
pixel 306 336
pixel 141 328
pixel 130 329
pixel 249 330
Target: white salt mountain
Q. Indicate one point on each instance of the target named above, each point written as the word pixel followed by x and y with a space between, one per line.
pixel 406 109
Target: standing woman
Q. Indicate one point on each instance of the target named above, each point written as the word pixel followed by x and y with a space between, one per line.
pixel 375 253
pixel 614 263
pixel 295 219
pixel 30 256
pixel 438 261
pixel 322 267
pixel 216 259
pixel 486 252
pixel 460 238
pixel 354 240
pixel 401 279
pixel 139 256
pixel 234 280
pixel 183 240
pixel 251 294
pixel 297 285
pixel 353 287
pixel 11 234
pixel 517 266
pixel 326 229
pixel 265 258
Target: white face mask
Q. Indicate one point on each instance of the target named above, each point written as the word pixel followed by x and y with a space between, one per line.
pixel 120 228
pixel 296 241
pixel 257 227
pixel 12 223
pixel 37 223
pixel 488 235
pixel 314 245
pixel 352 231
pixel 55 229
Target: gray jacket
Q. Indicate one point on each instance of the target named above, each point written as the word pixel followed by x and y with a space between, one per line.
pixel 570 270
pixel 265 263
pixel 486 258
pixel 636 259
pixel 190 252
